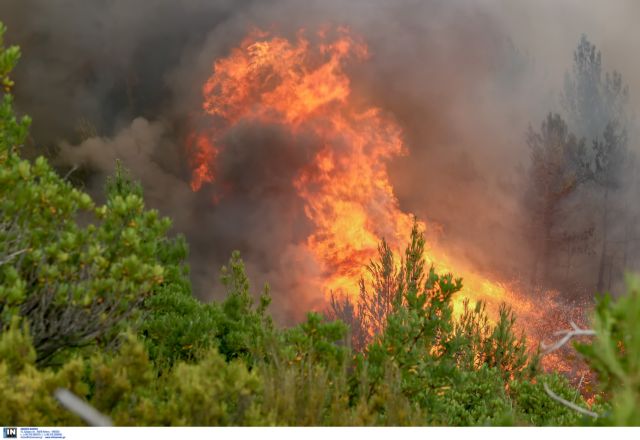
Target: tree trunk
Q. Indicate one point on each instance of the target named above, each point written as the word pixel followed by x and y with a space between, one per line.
pixel 603 252
pixel 568 268
pixel 534 267
pixel 546 246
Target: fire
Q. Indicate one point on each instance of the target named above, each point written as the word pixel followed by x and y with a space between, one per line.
pixel 302 84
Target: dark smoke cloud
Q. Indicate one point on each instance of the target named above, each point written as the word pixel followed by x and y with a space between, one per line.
pixel 118 79
pixel 103 61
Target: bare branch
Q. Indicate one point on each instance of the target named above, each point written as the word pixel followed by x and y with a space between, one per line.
pixel 82 409
pixel 72 170
pixel 566 337
pixel 12 255
pixel 578 388
pixel 568 404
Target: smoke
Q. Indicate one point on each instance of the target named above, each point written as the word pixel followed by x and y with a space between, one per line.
pixel 108 80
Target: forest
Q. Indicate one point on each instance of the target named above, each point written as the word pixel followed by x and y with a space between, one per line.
pixel 97 296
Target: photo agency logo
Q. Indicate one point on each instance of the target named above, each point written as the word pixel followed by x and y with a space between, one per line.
pixel 9 432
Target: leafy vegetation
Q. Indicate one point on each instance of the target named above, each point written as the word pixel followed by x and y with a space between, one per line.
pixel 97 300
pixel 615 353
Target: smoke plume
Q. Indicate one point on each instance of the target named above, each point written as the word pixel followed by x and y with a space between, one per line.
pixel 107 80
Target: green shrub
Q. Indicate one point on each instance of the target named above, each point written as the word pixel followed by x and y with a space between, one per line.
pixel 614 354
pixel 27 392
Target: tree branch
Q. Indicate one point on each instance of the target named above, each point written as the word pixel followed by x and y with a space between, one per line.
pixel 568 404
pixel 12 255
pixel 82 409
pixel 567 335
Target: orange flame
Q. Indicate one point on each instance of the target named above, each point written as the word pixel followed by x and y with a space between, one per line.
pixel 347 192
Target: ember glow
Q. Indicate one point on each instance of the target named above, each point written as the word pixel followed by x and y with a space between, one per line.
pixel 303 85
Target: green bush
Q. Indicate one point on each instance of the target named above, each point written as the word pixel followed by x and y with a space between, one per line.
pixel 27 392
pixel 72 269
pixel 614 354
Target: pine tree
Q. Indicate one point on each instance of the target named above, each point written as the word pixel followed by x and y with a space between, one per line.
pixel 557 168
pixel 596 106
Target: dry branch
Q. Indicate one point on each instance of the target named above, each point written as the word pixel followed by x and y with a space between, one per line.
pixel 12 255
pixel 568 404
pixel 82 409
pixel 566 337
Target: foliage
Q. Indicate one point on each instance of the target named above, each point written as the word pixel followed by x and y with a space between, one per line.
pixel 496 347
pixel 74 270
pixel 537 409
pixel 73 283
pixel 614 354
pixel 179 327
pixel 27 391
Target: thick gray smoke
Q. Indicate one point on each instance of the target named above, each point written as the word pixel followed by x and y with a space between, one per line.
pixel 108 80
